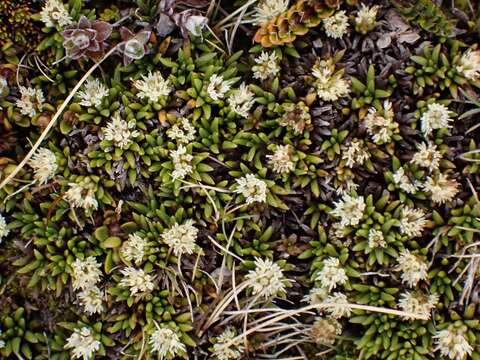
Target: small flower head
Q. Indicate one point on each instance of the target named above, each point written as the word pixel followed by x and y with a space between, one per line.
pixel 166 343
pixel 54 14
pixel 469 65
pixel 330 85
pixel 134 248
pixel 31 101
pixel 417 303
pixel 93 93
pixel 332 274
pixel 381 127
pixel 266 66
pixel 80 196
pixel 152 86
pixel 336 25
pixel 181 238
pixel 349 210
pixel 44 165
pixel 241 101
pixel 412 268
pixel 182 162
pixel 340 306
pixel 267 278
pixel 232 352
pixel 83 344
pixel 184 132
pixel 453 343
pixel 316 296
pixel 376 239
pixel 441 188
pixel 296 117
pixel 412 222
pixel 252 188
pixel 85 273
pixel 281 160
pixel 437 116
pixel 136 280
pixel 92 300
pixel 366 19
pixel 355 153
pixel 427 156
pixel 119 132
pixel 268 9
pixel 403 181
pixel 325 331
pixel 3 228
pixel 218 87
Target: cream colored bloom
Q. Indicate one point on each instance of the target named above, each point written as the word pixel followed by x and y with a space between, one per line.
pixel 83 344
pixel 267 278
pixel 349 210
pixel 412 268
pixel 441 188
pixel 119 132
pixel 366 19
pixel 316 296
pixel 336 25
pixel 181 238
pixel 92 300
pixel 437 116
pixel 281 160
pixel 252 189
pixel 182 163
pixel 340 305
pixel 232 352
pixel 3 228
pixel 329 84
pixel 266 65
pixel 417 303
pixel 153 87
pixel 80 196
pixel 332 274
pixel 31 101
pixel 412 222
pixel 55 14
pixel 453 343
pixel 403 182
pixel 381 127
pixel 166 343
pixel 93 93
pixel 241 101
pixel 325 331
pixel 218 87
pixel 427 156
pixel 355 153
pixel 184 132
pixel 85 273
pixel 268 9
pixel 134 248
pixel 469 64
pixel 136 280
pixel 44 165
pixel 376 239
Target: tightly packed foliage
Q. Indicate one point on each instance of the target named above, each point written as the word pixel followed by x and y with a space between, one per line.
pixel 169 191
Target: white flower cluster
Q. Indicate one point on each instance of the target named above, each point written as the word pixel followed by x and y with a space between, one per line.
pixel 83 344
pixel 252 188
pixel 218 87
pixel 268 9
pixel 469 64
pixel 232 352
pixel 427 156
pixel 418 303
pixel 366 18
pixel 44 165
pixel 241 101
pixel 330 85
pixel 376 239
pixel 325 331
pixel 355 153
pixel 336 25
pixel 136 280
pixel 267 278
pixel 436 117
pixel 152 86
pixel 441 188
pixel 266 66
pixel 453 343
pixel 381 127
pixel 332 274
pixel 339 305
pixel 166 343
pixel 31 101
pixel 349 210
pixel 181 238
pixel 85 276
pixel 184 132
pixel 134 248
pixel 92 93
pixel 92 300
pixel 55 14
pixel 281 160
pixel 80 196
pixel 403 181
pixel 3 228
pixel 119 132
pixel 182 162
pixel 412 222
pixel 412 268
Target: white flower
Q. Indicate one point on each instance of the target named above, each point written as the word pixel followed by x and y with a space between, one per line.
pixel 134 248
pixel 346 187
pixel 83 344
pixel 241 100
pixel 381 128
pixel 341 306
pixel 417 303
pixel 3 228
pixel 85 273
pixel 296 116
pixel 183 133
pixel 181 238
pixel 437 116
pixel 403 182
pixel 355 153
pixel 469 64
pixel 366 19
pixel 453 343
pixel 349 210
pixel 325 331
pixel 44 164
pixel 376 239
pixel 93 93
pixel 137 280
pixel 31 101
pixel 332 274
pixel 182 162
pixel 166 343
pixel 336 25
pixel 281 160
pixel 427 156
pixel 441 188
pixel 195 24
pixel 79 196
pixel 54 13
pixel 329 84
pixel 232 352
pixel 252 188
pixel 267 278
pixel 412 222
pixel 268 9
pixel 316 296
pixel 412 268
pixel 267 66
pixel 92 300
pixel 152 86
pixel 119 132
pixel 217 87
